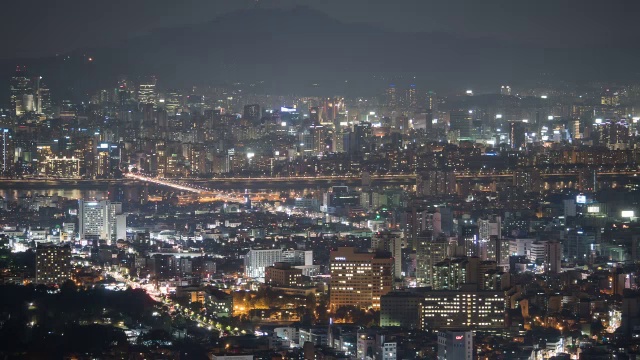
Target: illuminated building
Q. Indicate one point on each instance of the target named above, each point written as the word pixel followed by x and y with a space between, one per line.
pixel 455 345
pixel 257 260
pixel 468 238
pixel 6 151
pixel 429 252
pixel 461 121
pixel 359 279
pixel 517 137
pixel 553 253
pixel 283 275
pixel 147 92
pixel 101 220
pixel 53 264
pixel 462 310
pixel 412 97
pixel 391 100
pixel 434 182
pixel 21 85
pixel 62 167
pixel 390 241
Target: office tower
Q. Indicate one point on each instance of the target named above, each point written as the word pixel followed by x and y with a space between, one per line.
pixel 283 275
pixel 553 254
pixel 455 345
pixel 432 102
pixel 390 241
pixel 147 91
pixel 505 90
pixel 6 151
pixel 412 97
pixel 53 264
pixel 517 137
pixel 252 112
pixel 488 227
pixel 468 239
pixel 257 260
pixel 391 96
pixel 43 98
pixel 359 279
pixel 173 102
pixel 429 252
pixel 21 85
pixel 461 121
pixel 101 220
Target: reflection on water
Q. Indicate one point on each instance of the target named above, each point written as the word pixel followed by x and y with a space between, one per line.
pixel 14 194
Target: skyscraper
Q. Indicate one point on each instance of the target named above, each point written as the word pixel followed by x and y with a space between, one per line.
pixel 21 86
pixel 147 91
pixel 391 96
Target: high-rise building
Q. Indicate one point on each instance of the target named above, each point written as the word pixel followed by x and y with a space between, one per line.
pixel 101 220
pixel 553 253
pixel 6 151
pixel 412 97
pixel 21 85
pixel 462 122
pixel 505 90
pixel 468 238
pixel 455 345
pixel 257 260
pixel 430 251
pixel 391 242
pixel 53 264
pixel 147 91
pixel 359 279
pixel 517 137
pixel 391 96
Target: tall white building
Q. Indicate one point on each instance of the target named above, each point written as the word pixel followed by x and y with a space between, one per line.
pixel 455 345
pixel 256 260
pixel 101 220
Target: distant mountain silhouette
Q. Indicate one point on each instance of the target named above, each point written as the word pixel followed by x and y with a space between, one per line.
pixel 290 50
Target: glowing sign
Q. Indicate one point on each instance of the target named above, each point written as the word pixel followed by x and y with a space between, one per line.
pixel 581 199
pixel 628 213
pixel 459 337
pixel 340 258
pixel 593 209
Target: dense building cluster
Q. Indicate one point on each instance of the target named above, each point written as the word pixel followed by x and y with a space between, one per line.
pixel 409 225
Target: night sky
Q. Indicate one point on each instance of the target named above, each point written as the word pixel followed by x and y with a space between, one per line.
pixel 39 28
